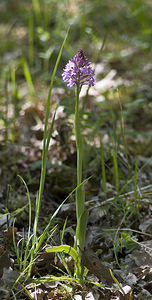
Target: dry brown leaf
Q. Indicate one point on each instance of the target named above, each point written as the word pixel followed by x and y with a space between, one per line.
pixel 96 267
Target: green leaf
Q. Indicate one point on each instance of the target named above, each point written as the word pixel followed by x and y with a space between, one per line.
pixel 81 229
pixel 68 250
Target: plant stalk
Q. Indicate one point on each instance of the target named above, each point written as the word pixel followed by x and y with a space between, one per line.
pixel 79 147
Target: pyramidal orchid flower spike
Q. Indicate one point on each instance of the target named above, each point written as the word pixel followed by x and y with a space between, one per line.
pixel 78 71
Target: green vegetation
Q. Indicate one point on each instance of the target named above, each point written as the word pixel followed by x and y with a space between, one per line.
pixel 47 227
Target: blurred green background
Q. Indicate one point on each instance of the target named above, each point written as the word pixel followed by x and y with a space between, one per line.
pixel 115 36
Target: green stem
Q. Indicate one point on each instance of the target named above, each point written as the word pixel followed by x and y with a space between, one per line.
pixel 79 146
pixel 81 213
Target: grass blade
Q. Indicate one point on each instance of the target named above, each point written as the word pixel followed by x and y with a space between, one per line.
pixel 103 169
pixel 28 77
pixel 116 173
pixel 44 155
pixel 29 229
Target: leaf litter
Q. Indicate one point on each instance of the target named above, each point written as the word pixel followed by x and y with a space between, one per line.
pixel 134 276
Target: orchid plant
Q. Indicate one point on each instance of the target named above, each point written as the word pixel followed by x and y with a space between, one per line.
pixel 78 72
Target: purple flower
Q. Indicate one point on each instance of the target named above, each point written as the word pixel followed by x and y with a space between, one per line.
pixel 78 71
